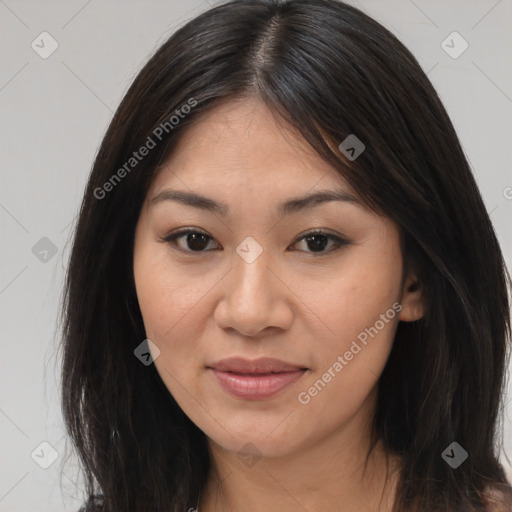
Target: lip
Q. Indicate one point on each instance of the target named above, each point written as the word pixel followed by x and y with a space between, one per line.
pixel 260 365
pixel 255 379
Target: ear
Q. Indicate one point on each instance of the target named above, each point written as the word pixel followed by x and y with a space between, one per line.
pixel 413 306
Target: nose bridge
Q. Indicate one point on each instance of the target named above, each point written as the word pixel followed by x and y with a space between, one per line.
pixel 251 273
pixel 254 298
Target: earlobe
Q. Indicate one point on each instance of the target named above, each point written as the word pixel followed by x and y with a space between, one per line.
pixel 413 307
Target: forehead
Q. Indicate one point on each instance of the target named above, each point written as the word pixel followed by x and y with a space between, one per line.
pixel 241 145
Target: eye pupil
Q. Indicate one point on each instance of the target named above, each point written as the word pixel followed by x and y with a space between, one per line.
pixel 195 241
pixel 316 244
pixel 194 238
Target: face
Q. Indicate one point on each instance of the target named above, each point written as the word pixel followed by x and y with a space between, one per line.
pixel 254 280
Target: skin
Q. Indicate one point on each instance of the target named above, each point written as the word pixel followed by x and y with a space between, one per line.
pixel 292 303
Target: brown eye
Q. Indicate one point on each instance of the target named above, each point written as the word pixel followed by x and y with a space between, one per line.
pixel 317 241
pixel 193 241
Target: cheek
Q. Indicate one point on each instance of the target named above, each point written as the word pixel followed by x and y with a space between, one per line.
pixel 355 296
pixel 167 309
pixel 347 368
pixel 170 308
pixel 166 299
pixel 359 308
pixel 164 293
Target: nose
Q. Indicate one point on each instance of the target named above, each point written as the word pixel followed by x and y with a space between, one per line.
pixel 255 298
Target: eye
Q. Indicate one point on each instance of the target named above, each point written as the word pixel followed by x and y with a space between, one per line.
pixel 191 240
pixel 318 239
pixel 196 240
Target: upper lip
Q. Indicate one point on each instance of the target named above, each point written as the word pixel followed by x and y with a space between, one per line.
pixel 261 365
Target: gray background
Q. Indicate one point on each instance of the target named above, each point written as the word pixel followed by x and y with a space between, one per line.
pixel 54 113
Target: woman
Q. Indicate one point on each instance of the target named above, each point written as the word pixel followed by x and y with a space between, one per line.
pixel 217 356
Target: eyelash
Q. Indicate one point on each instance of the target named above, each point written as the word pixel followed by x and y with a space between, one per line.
pixel 171 240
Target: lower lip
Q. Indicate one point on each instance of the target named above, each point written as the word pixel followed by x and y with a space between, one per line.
pixel 254 387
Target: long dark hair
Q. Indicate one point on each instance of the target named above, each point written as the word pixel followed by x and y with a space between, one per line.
pixel 330 71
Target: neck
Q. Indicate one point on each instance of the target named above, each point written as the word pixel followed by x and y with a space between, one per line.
pixel 334 471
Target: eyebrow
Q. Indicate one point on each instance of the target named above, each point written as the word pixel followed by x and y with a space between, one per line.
pixel 292 205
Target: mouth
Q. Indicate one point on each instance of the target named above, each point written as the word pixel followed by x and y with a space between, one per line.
pixel 255 380
pixel 263 365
